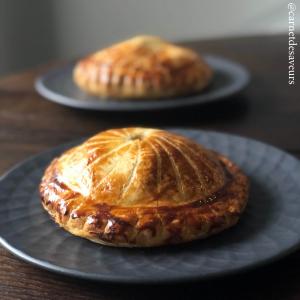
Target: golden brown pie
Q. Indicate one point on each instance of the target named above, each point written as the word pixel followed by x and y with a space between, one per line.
pixel 143 187
pixel 142 67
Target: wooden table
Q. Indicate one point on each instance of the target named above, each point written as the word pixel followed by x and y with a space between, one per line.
pixel 267 110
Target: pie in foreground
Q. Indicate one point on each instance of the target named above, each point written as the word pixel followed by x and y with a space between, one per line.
pixel 140 187
pixel 144 67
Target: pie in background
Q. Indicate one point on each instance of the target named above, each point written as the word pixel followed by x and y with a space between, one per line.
pixel 140 187
pixel 144 67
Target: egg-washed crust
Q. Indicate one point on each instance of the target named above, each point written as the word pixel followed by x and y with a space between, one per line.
pixel 148 226
pixel 144 67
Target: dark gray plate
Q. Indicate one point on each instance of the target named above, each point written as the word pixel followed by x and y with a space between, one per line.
pixel 269 228
pixel 58 86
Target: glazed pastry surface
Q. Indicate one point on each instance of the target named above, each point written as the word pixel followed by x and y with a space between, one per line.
pixel 144 67
pixel 143 187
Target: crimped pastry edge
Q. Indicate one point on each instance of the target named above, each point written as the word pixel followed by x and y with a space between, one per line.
pixel 165 223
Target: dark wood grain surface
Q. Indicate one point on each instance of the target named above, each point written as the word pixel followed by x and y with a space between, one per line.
pixel 268 110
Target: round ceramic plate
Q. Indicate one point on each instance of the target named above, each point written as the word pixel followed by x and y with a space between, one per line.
pixel 269 228
pixel 58 86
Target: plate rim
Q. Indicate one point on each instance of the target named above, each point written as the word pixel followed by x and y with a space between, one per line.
pixel 142 280
pixel 187 101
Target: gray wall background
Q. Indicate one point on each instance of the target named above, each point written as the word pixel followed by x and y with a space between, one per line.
pixel 35 31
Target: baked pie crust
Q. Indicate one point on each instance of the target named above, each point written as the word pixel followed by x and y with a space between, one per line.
pixel 138 187
pixel 140 68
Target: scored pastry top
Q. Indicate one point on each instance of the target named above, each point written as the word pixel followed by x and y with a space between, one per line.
pixel 140 167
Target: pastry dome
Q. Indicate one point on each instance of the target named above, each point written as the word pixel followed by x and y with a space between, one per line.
pixel 140 179
pixel 140 68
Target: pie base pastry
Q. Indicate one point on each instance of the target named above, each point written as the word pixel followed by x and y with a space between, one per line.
pixel 137 187
pixel 144 67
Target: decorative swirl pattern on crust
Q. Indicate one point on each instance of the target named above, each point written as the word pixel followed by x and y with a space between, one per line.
pixel 143 187
pixel 140 68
